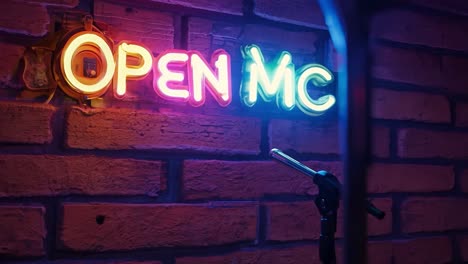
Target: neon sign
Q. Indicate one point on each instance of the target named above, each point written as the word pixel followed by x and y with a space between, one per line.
pixel 169 81
pixel 185 76
pixel 283 83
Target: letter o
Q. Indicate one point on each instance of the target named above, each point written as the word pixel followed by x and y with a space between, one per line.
pixel 66 62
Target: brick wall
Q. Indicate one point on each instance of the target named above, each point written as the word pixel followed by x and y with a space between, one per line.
pixel 144 180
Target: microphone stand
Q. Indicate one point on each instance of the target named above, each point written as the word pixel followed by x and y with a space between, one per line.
pixel 327 202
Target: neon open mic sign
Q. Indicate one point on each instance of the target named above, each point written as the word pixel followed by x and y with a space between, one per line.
pixel 186 76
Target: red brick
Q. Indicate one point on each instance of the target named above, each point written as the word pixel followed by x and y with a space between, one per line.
pixel 300 44
pixel 135 262
pixel 464 181
pixel 377 253
pixel 463 245
pixel 375 227
pixel 22 230
pixel 462 114
pixel 137 226
pixel 292 221
pixel 409 27
pixel 65 3
pixel 26 123
pixel 24 18
pixel 454 33
pixel 434 214
pixel 37 175
pixel 378 227
pixel 9 66
pixel 98 261
pixel 207 36
pixel 455 6
pixel 150 27
pixel 418 143
pixel 303 136
pixel 389 104
pixel 233 7
pixel 454 75
pixel 301 221
pixel 423 250
pixel 421 29
pixel 242 180
pixel 381 141
pixel 300 12
pixel 408 66
pixel 130 129
pixel 385 178
pixel 295 255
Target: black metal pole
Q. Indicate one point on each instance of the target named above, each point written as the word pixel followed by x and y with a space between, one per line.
pixel 348 25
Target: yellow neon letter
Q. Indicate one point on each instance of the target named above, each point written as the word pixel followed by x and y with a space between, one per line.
pixel 69 51
pixel 202 76
pixel 164 78
pixel 132 71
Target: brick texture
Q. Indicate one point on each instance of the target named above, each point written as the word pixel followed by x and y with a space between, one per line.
pixel 419 143
pixel 385 178
pixel 423 250
pixel 293 221
pixel 375 226
pixel 377 253
pixel 133 226
pixel 9 66
pixel 211 194
pixel 243 180
pixel 293 255
pixel 152 28
pixel 421 29
pixel 38 175
pixel 419 68
pixel 301 45
pixel 464 181
pixel 418 28
pixel 207 36
pixel 301 12
pixel 23 18
pixel 454 75
pixel 303 136
pixel 63 3
pixel 434 214
pixel 308 137
pixel 233 7
pixel 455 6
pixel 148 27
pixel 463 245
pixel 22 231
pixel 388 104
pixel 381 141
pixel 25 123
pixel 129 129
pixel 301 221
pixel 462 114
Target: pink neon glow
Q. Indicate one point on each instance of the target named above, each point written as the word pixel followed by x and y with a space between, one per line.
pixel 169 75
pixel 214 77
pixel 170 70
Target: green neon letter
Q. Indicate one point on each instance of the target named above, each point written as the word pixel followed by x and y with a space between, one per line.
pixel 270 81
pixel 320 76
